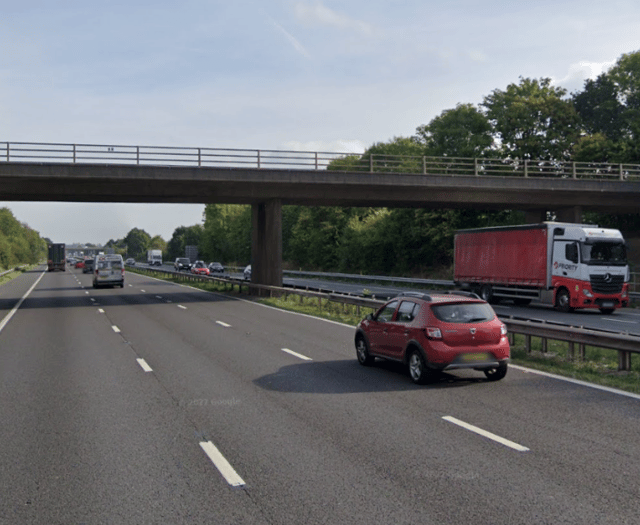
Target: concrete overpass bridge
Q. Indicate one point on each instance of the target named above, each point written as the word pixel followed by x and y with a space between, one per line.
pixel 268 179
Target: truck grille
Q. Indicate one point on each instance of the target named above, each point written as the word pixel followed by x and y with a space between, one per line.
pixel 609 284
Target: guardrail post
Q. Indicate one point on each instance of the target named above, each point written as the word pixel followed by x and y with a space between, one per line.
pixel 316 155
pixel 621 172
pixel 573 170
pixel 74 153
pixel 424 165
pixel 475 167
pixel 371 163
pixel 199 158
pixel 258 152
pixel 7 152
pixel 624 360
pixel 527 343
pixel 581 352
pixel 526 167
pixel 138 155
pixel 543 344
pixel 571 351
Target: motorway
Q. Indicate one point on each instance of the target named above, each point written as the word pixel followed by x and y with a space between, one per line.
pixel 162 404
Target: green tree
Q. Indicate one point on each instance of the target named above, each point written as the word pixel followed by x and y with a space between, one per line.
pixel 137 242
pixel 533 121
pixel 184 236
pixel 460 132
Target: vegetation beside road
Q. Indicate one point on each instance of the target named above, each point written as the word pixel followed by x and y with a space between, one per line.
pixel 599 366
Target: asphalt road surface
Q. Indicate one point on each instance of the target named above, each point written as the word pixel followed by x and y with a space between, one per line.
pixel 161 404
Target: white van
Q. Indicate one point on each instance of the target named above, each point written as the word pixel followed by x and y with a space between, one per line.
pixel 108 270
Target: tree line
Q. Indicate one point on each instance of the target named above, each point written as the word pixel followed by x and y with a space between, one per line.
pixel 531 119
pixel 19 244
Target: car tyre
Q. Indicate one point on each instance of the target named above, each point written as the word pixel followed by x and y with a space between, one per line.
pixel 418 370
pixel 362 352
pixel 496 374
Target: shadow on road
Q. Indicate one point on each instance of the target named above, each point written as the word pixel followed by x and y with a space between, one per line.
pixel 348 377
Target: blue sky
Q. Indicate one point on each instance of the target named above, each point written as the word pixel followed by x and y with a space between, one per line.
pixel 280 74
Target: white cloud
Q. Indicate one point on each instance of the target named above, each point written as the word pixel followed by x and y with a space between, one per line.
pixel 319 14
pixel 581 71
pixel 292 40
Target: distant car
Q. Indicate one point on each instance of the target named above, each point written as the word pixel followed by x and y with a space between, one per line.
pixel 200 268
pixel 130 262
pixel 216 267
pixel 182 264
pixel 247 273
pixel 88 266
pixel 435 332
pixel 79 264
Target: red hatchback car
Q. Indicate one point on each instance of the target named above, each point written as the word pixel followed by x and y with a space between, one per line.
pixel 200 268
pixel 435 332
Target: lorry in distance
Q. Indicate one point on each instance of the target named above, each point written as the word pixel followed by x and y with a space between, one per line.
pixel 565 265
pixel 56 257
pixel 154 257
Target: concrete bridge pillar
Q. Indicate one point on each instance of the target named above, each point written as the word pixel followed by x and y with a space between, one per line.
pixel 266 243
pixel 535 216
pixel 573 214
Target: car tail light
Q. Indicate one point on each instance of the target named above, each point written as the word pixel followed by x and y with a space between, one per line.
pixel 433 333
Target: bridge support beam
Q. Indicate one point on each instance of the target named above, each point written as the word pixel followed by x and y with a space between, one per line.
pixel 266 243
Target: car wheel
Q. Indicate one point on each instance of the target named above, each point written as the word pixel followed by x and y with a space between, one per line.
pixel 563 301
pixel 418 370
pixel 362 351
pixel 496 374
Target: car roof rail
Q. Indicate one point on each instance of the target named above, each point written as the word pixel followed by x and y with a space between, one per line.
pixel 463 293
pixel 417 295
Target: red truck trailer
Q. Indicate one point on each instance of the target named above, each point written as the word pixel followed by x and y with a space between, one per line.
pixel 566 265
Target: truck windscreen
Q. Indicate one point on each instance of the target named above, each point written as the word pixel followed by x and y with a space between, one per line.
pixel 597 253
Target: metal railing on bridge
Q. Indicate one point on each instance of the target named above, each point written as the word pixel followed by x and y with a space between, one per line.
pixel 311 160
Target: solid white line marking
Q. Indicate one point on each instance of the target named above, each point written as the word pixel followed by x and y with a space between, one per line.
pixel 144 365
pixel 297 354
pixel 183 307
pixel 618 320
pixel 223 466
pixel 576 382
pixel 115 329
pixel 486 434
pixel 8 317
pixel 223 324
pixel 158 297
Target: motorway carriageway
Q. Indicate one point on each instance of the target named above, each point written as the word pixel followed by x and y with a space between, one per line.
pixel 159 403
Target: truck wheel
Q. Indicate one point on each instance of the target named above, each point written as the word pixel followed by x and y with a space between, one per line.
pixel 563 301
pixel 486 293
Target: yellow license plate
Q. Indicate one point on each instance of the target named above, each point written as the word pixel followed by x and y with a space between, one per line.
pixel 475 358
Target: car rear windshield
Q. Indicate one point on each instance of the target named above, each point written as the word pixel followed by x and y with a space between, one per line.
pixel 463 312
